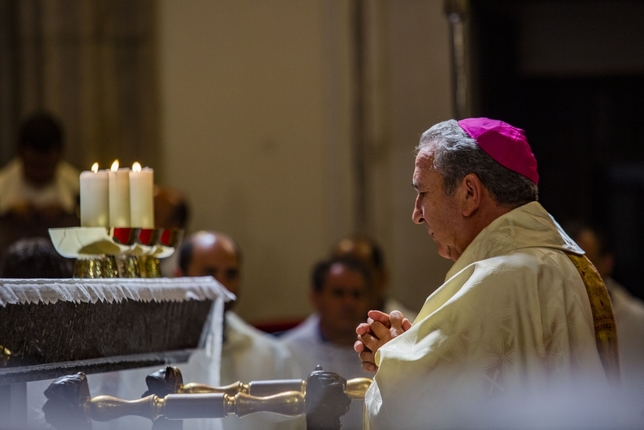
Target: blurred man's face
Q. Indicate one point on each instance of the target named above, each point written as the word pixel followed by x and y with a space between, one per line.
pixel 343 302
pixel 589 242
pixel 163 212
pixel 215 256
pixel 362 250
pixel 39 167
pixel 166 202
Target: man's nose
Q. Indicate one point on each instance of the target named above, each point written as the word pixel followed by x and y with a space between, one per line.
pixel 417 214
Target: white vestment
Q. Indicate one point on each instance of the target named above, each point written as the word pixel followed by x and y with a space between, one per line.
pixel 63 190
pixel 511 320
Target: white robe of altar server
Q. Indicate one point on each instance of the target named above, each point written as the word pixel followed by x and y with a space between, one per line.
pixel 309 350
pixel 511 321
pixel 63 190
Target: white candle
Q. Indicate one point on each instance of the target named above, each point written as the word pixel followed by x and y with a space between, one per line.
pixel 141 196
pixel 119 196
pixel 94 200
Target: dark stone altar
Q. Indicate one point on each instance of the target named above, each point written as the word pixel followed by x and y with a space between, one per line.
pixel 50 328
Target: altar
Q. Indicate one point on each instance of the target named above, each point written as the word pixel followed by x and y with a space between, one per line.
pixel 104 340
pixel 55 327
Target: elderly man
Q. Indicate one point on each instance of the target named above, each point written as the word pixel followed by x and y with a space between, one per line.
pixel 247 354
pixel 514 317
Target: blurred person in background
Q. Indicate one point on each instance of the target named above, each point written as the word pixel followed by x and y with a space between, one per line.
pixel 370 253
pixel 247 353
pixel 628 309
pixel 171 211
pixel 341 294
pixel 38 180
pixel 38 189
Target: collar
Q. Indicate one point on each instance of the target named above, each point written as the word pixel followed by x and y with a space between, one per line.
pixel 528 226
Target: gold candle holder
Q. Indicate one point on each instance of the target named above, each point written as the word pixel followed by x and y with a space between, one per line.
pixel 119 252
pixel 100 267
pixel 128 266
pixel 150 266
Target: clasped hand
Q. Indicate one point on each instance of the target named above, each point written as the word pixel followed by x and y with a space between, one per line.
pixel 379 329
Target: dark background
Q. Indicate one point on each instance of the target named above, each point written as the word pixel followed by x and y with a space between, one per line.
pixel 571 74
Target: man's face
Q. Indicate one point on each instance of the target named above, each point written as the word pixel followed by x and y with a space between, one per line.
pixel 163 209
pixel 343 302
pixel 588 241
pixel 39 167
pixel 360 249
pixel 439 213
pixel 216 257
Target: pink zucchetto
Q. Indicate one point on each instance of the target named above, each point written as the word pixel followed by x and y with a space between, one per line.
pixel 507 145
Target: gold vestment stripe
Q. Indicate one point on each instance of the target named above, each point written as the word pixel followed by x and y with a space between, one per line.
pixel 605 329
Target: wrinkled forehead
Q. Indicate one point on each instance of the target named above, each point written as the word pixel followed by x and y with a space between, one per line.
pixel 424 160
pixel 425 172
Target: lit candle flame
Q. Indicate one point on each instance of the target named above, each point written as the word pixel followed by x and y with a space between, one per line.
pixel 115 165
pixel 95 167
pixel 136 167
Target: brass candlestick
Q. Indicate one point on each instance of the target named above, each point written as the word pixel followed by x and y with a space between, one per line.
pixel 328 395
pixel 69 403
pixel 170 381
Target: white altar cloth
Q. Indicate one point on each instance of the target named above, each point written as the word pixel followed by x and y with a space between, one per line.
pixel 24 291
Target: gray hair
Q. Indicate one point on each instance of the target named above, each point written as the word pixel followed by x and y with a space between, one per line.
pixel 456 155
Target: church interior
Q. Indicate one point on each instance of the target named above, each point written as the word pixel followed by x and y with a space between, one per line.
pixel 289 125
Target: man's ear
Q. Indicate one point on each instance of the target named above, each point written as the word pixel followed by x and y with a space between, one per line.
pixel 472 192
